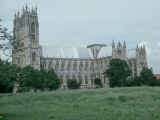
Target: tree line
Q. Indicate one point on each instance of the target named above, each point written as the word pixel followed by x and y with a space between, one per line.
pixel 120 75
pixel 26 78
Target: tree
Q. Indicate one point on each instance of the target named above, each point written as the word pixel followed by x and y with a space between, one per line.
pixel 8 76
pixel 8 43
pixel 26 77
pixel 118 73
pixel 147 78
pixel 52 82
pixel 98 83
pixel 38 79
pixel 73 84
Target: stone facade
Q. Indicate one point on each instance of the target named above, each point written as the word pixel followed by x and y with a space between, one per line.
pixel 81 66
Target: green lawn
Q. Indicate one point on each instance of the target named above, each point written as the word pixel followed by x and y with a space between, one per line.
pixel 93 104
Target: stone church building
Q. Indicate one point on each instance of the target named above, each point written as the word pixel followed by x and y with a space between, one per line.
pixel 81 64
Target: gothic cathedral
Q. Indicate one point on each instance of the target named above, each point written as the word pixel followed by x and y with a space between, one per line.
pixel 81 64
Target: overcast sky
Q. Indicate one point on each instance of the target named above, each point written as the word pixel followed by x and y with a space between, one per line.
pixel 78 23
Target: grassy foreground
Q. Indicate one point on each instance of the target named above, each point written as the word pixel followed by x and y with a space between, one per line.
pixel 98 104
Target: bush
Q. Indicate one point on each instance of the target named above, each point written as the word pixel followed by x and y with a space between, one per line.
pixel 73 84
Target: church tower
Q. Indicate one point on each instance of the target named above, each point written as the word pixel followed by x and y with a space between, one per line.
pixel 141 58
pixel 26 31
pixel 119 50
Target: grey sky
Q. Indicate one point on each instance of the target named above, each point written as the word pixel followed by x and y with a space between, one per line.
pixel 81 22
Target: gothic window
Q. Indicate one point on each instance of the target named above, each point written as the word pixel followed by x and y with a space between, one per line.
pixel 86 79
pixel 44 65
pixel 91 66
pixel 75 66
pixel 33 30
pixel 80 66
pixel 68 66
pixel 62 66
pixel 92 78
pixel 50 65
pixel 33 57
pixel 80 78
pixel 18 61
pixel 119 52
pixel 86 66
pixel 33 37
pixel 57 65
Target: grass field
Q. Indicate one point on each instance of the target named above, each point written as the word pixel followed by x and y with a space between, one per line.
pixel 93 104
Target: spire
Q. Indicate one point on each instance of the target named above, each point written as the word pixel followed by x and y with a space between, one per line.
pixel 15 15
pixel 26 7
pixel 144 49
pixel 124 44
pixel 36 10
pixel 15 18
pixel 18 14
pixel 119 45
pixel 32 10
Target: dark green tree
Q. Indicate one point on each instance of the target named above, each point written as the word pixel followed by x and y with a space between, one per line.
pixel 38 79
pixel 147 78
pixel 26 77
pixel 98 83
pixel 8 76
pixel 118 73
pixel 73 84
pixel 52 81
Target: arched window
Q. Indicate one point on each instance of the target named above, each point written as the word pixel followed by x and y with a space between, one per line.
pixel 50 65
pixel 91 66
pixel 119 52
pixel 33 57
pixel 86 79
pixel 75 66
pixel 62 65
pixel 68 66
pixel 86 66
pixel 81 66
pixel 57 65
pixel 92 78
pixel 33 30
pixel 80 78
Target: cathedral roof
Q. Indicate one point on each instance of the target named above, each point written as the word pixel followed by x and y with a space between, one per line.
pixel 73 52
pixel 67 52
pixel 105 52
pixel 81 53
